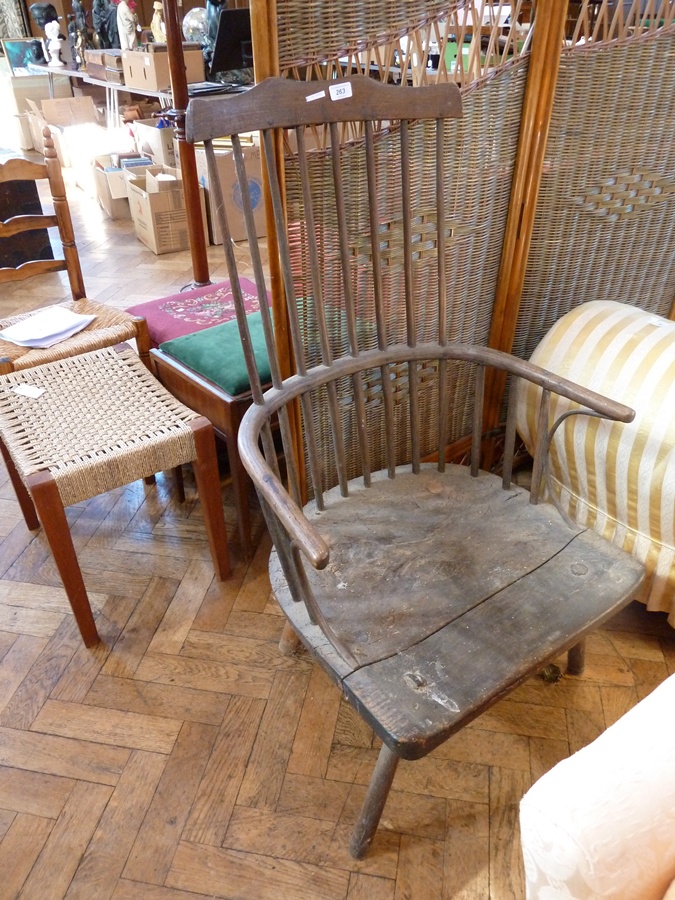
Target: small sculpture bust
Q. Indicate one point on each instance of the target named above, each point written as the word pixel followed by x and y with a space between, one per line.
pixel 158 26
pixel 54 41
pixel 43 13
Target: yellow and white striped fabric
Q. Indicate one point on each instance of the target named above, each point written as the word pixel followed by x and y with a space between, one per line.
pixel 617 479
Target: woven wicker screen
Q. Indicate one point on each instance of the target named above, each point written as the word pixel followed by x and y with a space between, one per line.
pixel 415 42
pixel 605 222
pixel 489 61
pixel 479 165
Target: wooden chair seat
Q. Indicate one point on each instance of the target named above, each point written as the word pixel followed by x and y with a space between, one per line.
pixel 206 370
pixel 444 591
pixel 176 321
pixel 81 426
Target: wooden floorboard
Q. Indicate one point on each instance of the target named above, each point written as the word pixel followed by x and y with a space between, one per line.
pixel 185 758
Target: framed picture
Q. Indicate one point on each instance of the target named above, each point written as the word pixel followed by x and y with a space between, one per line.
pixel 22 53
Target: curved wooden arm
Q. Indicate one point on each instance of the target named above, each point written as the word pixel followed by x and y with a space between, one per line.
pixel 291 517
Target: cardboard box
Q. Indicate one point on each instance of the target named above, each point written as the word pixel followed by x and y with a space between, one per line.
pixel 232 191
pixel 23 139
pixel 115 207
pixel 141 108
pixel 84 143
pixel 158 209
pixel 59 115
pixel 150 71
pixel 155 142
pixel 16 91
pixel 111 184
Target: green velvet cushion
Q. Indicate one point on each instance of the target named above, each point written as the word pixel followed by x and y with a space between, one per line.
pixel 217 354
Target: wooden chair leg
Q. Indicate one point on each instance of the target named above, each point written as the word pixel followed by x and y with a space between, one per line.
pixel 143 343
pixel 576 658
pixel 180 484
pixel 208 485
pixel 240 488
pixel 53 517
pixel 373 805
pixel 25 502
pixel 289 642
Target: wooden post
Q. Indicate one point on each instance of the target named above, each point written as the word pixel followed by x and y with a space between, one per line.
pixel 547 41
pixel 266 65
pixel 186 152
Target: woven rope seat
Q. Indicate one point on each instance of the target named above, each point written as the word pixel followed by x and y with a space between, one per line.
pixel 82 426
pixel 111 326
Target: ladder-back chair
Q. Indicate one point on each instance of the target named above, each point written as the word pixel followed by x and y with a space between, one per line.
pixel 110 325
pixel 426 590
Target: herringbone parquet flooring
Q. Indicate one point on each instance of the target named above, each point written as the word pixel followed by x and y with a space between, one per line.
pixel 185 758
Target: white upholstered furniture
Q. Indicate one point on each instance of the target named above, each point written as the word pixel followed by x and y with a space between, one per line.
pixel 618 479
pixel 601 824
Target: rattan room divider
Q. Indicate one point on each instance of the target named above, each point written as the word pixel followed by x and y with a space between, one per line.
pixel 563 171
pixel 561 177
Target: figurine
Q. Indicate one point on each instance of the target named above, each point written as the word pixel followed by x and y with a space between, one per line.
pixel 213 10
pixel 81 34
pixel 104 15
pixel 54 41
pixel 72 37
pixel 111 24
pixel 158 26
pixel 127 24
pixel 43 13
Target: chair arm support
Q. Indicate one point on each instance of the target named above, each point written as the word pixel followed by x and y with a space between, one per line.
pixel 289 514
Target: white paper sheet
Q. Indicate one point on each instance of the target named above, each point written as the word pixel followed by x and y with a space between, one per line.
pixel 46 328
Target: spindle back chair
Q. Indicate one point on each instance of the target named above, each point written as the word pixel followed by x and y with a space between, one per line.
pixel 426 590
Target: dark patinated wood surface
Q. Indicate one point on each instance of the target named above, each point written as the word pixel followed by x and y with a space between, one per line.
pixel 429 596
pixel 449 591
pixel 281 103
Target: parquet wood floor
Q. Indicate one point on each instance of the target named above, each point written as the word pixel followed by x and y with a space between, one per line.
pixel 185 758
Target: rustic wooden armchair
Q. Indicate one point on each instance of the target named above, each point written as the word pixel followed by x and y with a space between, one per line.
pixel 426 590
pixel 110 325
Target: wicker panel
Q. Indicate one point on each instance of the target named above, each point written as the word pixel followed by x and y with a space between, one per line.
pixel 480 160
pixel 460 379
pixel 317 30
pixel 416 43
pixel 605 221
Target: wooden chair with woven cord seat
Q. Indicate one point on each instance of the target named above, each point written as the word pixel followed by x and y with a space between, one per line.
pixel 110 326
pixel 426 590
pixel 81 426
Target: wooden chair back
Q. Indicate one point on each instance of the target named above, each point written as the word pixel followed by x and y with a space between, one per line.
pixel 21 169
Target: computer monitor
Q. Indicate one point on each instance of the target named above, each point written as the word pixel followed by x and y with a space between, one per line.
pixel 233 48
